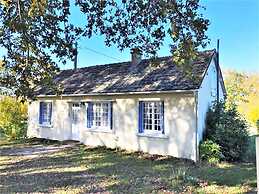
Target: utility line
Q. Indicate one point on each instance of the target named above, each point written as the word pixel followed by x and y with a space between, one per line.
pixel 92 50
pixel 100 53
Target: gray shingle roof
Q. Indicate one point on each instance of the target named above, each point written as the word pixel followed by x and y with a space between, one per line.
pixel 125 77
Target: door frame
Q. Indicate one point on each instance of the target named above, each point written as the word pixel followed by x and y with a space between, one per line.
pixel 75 128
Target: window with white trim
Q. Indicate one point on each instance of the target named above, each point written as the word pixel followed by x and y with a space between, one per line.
pixel 45 113
pixel 99 115
pixel 151 117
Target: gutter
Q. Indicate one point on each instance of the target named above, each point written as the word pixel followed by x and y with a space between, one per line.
pixel 121 93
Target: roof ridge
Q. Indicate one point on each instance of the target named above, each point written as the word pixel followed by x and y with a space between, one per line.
pixel 126 62
pixel 109 64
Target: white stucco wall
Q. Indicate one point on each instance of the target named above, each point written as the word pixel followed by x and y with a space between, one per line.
pixel 179 114
pixel 207 94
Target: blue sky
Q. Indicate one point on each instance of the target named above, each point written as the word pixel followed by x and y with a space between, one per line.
pixel 234 22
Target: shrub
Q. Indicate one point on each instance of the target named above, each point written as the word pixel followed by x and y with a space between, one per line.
pixel 13 116
pixel 257 125
pixel 228 129
pixel 250 154
pixel 210 151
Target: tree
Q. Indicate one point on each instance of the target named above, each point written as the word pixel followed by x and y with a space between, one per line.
pixel 227 128
pixel 3 90
pixel 37 33
pixel 13 116
pixel 236 91
pixel 243 91
pixel 34 33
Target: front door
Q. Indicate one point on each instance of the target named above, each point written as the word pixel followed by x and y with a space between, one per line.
pixel 75 119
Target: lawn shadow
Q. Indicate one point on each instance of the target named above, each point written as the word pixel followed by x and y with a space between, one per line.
pixel 227 174
pixel 112 170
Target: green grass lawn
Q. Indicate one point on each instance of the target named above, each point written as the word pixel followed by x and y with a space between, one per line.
pixel 81 169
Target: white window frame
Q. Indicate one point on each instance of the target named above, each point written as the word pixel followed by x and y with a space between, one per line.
pixel 152 131
pixel 47 123
pixel 95 127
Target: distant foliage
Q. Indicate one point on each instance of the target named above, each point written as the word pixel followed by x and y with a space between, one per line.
pixel 243 91
pixel 228 129
pixel 250 154
pixel 210 151
pixel 13 116
pixel 257 125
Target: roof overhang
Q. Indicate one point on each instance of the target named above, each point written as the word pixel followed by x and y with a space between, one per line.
pixel 120 93
pixel 220 73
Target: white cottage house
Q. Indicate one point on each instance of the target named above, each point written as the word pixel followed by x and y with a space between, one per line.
pixel 140 105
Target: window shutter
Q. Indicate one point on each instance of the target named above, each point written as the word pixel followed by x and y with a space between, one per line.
pixel 40 113
pixel 50 112
pixel 111 115
pixel 89 114
pixel 162 118
pixel 140 117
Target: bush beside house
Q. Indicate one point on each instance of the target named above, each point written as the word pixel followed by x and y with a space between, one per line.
pixel 13 118
pixel 226 137
pixel 210 151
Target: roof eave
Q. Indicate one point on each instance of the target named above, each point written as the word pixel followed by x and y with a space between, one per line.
pixel 120 93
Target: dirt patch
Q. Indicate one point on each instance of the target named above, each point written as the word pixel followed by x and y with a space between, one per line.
pixel 35 150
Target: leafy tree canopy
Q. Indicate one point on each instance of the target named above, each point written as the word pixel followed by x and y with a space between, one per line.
pixel 37 33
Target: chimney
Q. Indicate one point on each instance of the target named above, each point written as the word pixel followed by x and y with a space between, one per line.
pixel 136 55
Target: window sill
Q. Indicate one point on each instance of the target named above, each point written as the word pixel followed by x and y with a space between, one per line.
pixel 162 136
pixel 100 130
pixel 45 126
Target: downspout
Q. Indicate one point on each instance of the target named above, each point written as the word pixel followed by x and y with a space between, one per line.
pixel 196 127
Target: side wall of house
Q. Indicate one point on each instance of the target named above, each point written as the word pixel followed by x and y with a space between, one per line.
pixel 180 124
pixel 207 94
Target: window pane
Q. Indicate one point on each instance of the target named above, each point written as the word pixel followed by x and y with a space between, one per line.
pixel 152 116
pixel 46 108
pixel 101 114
